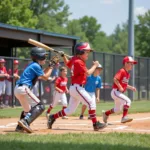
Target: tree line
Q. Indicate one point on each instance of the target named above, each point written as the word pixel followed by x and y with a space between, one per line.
pixel 52 16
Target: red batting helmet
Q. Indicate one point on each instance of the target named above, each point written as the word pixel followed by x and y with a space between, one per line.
pixel 81 47
pixel 2 60
pixel 16 62
pixel 129 59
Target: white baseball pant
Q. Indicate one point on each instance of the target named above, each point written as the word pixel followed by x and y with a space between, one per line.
pixel 120 100
pixel 59 97
pixel 2 87
pixel 8 88
pixel 79 94
pixel 26 98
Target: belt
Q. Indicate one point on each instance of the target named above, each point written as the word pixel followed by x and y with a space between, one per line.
pixel 82 85
pixel 25 85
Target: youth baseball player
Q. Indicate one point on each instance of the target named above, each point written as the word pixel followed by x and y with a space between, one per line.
pixel 8 96
pixel 122 102
pixel 3 76
pixel 92 86
pixel 60 91
pixel 77 91
pixel 32 106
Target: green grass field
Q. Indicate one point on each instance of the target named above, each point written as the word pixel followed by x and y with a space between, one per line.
pixel 136 106
pixel 101 141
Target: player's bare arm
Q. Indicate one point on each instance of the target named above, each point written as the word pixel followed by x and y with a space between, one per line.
pixel 92 69
pixel 118 84
pixel 97 95
pixel 131 88
pixel 47 73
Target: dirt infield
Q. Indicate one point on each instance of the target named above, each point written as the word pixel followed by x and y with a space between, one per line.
pixel 140 124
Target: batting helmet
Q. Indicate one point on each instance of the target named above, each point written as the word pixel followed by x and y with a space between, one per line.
pixel 16 62
pixel 2 60
pixel 38 53
pixel 81 47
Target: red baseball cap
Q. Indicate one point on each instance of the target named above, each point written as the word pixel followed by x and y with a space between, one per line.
pixel 2 60
pixel 129 59
pixel 16 62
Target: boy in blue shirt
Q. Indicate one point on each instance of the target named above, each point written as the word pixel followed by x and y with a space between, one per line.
pixel 93 86
pixel 32 106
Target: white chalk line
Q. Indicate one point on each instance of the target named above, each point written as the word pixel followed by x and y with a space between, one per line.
pixel 8 125
pixel 120 127
pixel 138 119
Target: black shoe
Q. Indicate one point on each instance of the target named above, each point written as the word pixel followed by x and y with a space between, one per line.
pixel 50 122
pixel 97 126
pixel 19 129
pixel 25 125
pixel 81 117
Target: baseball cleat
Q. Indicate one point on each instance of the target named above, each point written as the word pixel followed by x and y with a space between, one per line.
pixel 50 122
pixel 64 117
pixel 25 125
pixel 81 117
pixel 19 129
pixel 126 119
pixel 105 117
pixel 97 126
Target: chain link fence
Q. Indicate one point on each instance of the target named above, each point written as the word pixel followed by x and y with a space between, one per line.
pixel 111 64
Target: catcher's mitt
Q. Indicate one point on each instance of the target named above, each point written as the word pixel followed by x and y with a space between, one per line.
pixel 54 60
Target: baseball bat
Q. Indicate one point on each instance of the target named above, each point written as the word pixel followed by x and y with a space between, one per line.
pixel 41 45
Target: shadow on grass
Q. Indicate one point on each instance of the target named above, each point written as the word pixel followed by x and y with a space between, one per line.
pixel 58 145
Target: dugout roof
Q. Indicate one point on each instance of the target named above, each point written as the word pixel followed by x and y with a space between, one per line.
pixel 14 36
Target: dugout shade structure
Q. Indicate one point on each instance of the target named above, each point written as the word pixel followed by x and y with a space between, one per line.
pixel 13 36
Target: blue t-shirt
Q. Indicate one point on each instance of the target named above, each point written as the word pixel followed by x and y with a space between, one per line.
pixel 93 83
pixel 32 71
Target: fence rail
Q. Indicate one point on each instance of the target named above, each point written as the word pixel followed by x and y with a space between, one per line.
pixel 111 64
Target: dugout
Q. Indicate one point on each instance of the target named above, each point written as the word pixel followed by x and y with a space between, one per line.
pixel 14 36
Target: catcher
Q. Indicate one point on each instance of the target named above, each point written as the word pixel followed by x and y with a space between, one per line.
pixel 32 106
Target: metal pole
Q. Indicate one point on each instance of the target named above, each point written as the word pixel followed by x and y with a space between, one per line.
pixel 131 41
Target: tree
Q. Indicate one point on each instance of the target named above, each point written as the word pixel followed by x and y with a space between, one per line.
pixel 17 12
pixel 101 42
pixel 53 14
pixel 74 28
pixel 142 31
pixel 120 39
pixel 90 27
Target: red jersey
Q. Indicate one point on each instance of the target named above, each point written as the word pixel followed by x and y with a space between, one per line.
pixel 10 73
pixel 123 77
pixel 71 61
pixel 61 83
pixel 3 71
pixel 78 71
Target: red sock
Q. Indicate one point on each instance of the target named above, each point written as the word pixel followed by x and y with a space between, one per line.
pixel 92 114
pixel 49 109
pixel 125 110
pixel 59 114
pixel 108 112
pixel 64 107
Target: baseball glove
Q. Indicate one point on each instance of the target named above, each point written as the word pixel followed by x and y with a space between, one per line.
pixel 54 60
